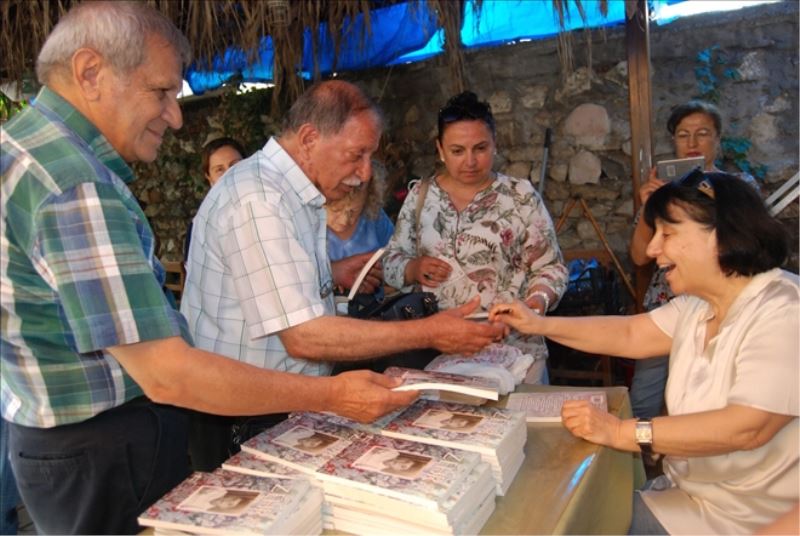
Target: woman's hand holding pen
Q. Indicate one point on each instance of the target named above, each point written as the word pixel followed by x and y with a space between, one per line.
pixel 517 315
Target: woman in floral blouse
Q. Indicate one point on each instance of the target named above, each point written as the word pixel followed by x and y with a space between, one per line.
pixel 479 232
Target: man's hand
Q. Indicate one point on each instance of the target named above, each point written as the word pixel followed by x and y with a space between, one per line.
pixel 364 396
pixel 454 335
pixel 346 270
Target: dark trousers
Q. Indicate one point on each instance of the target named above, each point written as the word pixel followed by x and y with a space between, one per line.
pixel 97 476
pixel 215 438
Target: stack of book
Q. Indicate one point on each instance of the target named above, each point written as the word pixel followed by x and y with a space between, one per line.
pixel 225 502
pixel 498 435
pixel 376 484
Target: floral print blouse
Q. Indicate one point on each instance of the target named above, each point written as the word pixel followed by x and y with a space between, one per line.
pixel 500 246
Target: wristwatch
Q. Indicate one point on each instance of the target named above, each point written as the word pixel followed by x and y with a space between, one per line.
pixel 644 435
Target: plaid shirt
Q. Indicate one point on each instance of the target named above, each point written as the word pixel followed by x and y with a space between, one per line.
pixel 78 269
pixel 258 262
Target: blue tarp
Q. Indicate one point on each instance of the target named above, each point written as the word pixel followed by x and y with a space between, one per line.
pixel 408 32
pixel 395 30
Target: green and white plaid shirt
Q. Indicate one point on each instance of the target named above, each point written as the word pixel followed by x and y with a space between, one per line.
pixel 78 269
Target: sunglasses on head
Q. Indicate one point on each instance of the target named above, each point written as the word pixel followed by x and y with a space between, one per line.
pixel 696 178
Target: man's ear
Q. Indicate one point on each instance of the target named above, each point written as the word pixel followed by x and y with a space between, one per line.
pixel 307 138
pixel 87 72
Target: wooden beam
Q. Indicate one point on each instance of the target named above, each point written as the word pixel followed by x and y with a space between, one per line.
pixel 637 43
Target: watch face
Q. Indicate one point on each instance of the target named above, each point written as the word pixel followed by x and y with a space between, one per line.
pixel 644 432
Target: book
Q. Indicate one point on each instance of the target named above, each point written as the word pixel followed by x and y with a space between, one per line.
pixel 486 430
pixel 414 379
pixel 364 271
pixel 304 442
pixel 250 464
pixel 318 445
pixel 546 406
pixel 224 502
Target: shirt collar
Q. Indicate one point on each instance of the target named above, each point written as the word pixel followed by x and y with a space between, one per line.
pixel 56 108
pixel 295 176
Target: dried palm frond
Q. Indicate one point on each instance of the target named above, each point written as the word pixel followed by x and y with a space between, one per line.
pixel 214 26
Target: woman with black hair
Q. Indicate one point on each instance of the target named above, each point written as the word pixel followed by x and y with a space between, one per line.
pixel 469 231
pixel 730 437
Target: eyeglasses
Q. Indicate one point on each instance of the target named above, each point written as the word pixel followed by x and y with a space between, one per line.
pixel 703 135
pixel 697 179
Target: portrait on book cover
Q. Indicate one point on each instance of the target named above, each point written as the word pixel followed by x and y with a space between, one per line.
pixel 218 500
pixel 306 440
pixel 393 462
pixel 452 421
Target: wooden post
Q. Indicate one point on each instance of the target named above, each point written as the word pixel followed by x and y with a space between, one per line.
pixel 637 43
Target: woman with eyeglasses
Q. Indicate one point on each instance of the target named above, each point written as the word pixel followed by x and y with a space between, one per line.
pixel 478 232
pixel 696 128
pixel 357 226
pixel 730 437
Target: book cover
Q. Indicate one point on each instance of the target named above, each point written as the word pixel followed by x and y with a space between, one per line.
pixel 250 464
pixel 224 502
pixel 443 381
pixel 304 442
pixel 478 428
pixel 416 472
pixel 546 406
pixel 364 271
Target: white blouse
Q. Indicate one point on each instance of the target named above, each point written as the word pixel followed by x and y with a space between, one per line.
pixel 752 361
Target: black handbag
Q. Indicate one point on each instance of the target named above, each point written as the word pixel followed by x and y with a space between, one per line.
pixel 398 306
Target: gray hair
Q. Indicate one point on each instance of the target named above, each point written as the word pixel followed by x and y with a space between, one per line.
pixel 116 30
pixel 328 106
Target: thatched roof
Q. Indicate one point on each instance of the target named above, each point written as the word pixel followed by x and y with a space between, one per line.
pixel 213 26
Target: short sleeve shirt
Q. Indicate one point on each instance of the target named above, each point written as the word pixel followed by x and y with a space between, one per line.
pixel 78 269
pixel 752 361
pixel 258 262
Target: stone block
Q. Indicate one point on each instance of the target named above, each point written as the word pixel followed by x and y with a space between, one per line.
pixel 588 125
pixel 580 81
pixel 753 66
pixel 558 172
pixel 500 101
pixel 584 168
pixel 625 208
pixel 520 170
pixel 412 115
pixel 534 97
pixel 764 133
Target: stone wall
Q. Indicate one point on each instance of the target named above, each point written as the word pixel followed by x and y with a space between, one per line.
pixel 588 112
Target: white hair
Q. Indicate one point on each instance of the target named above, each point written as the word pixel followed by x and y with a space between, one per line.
pixel 116 30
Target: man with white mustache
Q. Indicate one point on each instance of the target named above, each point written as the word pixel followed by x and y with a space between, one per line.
pixel 259 286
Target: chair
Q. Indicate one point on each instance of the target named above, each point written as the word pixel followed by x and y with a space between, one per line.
pixel 175 278
pixel 603 297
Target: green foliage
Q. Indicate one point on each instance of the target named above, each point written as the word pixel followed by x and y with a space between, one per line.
pixel 710 73
pixel 9 108
pixel 735 150
pixel 172 188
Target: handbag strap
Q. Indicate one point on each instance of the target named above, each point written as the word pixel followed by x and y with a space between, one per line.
pixel 424 184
